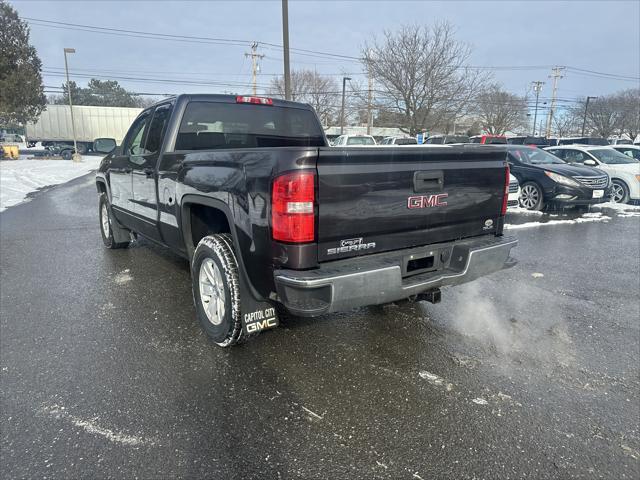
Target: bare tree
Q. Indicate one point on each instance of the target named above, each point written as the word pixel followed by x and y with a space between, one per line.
pixel 500 111
pixel 629 119
pixel 422 74
pixel 567 122
pixel 603 115
pixel 307 86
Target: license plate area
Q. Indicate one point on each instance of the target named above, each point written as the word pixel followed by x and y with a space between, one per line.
pixel 417 263
pixel 598 193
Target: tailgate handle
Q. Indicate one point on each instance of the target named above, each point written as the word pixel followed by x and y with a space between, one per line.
pixel 431 181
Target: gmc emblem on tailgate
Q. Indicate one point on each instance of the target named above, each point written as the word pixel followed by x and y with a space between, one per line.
pixel 426 201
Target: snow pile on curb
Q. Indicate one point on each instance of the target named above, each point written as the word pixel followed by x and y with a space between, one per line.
pixel 18 178
pixel 620 207
pixel 586 218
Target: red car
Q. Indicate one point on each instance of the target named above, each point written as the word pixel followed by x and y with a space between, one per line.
pixel 489 139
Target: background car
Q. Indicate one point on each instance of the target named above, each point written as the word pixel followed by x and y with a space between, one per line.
pixel 446 139
pixel 619 141
pixel 399 141
pixel 528 140
pixel 583 141
pixel 623 170
pixel 488 139
pixel 632 151
pixel 545 179
pixel 354 141
pixel 513 200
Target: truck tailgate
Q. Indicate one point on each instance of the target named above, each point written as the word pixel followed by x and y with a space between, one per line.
pixel 377 199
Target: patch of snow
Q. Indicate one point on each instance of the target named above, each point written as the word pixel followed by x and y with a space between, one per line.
pixel 123 277
pixel 537 275
pixel 621 207
pixel 480 401
pixel 629 214
pixel 434 379
pixel 90 426
pixel 513 226
pixel 523 211
pixel 19 178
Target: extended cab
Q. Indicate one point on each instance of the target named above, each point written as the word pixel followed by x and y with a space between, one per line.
pixel 274 221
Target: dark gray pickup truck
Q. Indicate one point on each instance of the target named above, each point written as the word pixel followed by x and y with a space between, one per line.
pixel 275 221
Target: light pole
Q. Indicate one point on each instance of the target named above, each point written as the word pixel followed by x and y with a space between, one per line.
pixel 285 46
pixel 584 118
pixel 344 86
pixel 76 157
pixel 537 86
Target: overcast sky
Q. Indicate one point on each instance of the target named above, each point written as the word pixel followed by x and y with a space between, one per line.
pixel 602 36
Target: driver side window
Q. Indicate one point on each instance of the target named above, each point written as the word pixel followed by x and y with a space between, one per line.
pixel 575 156
pixel 136 136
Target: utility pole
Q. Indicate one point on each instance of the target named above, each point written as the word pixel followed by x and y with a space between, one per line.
pixel 344 86
pixel 254 65
pixel 557 74
pixel 285 46
pixel 584 118
pixel 537 86
pixel 76 156
pixel 370 105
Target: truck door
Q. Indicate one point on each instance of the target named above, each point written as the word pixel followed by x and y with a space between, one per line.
pixel 144 174
pixel 120 171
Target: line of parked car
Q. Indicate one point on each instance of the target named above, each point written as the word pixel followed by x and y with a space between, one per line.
pixel 576 171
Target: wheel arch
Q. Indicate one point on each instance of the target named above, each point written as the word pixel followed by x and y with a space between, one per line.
pixel 188 202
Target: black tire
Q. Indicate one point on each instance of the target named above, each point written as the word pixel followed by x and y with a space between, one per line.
pixel 531 196
pixel 66 154
pixel 620 191
pixel 104 208
pixel 223 325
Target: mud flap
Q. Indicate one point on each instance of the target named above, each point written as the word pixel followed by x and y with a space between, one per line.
pixel 256 315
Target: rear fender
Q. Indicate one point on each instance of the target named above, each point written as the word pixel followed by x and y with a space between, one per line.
pixel 257 313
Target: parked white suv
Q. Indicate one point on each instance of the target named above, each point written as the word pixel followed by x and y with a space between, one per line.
pixel 399 141
pixel 354 141
pixel 513 199
pixel 623 170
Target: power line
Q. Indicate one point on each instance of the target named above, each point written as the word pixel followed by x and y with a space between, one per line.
pixel 182 38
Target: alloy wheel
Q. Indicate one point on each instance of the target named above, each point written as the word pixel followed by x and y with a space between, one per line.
pixel 617 192
pixel 212 291
pixel 529 196
pixel 104 220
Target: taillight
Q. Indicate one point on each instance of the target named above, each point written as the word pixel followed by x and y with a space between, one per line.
pixel 292 207
pixel 506 190
pixel 254 100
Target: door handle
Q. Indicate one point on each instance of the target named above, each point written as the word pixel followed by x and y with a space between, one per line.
pixel 428 181
pixel 148 172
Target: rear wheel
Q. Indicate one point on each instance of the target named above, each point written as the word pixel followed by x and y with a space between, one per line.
pixel 66 154
pixel 107 224
pixel 216 289
pixel 619 192
pixel 531 196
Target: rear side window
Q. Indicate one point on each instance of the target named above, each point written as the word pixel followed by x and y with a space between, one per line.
pixel 157 127
pixel 208 125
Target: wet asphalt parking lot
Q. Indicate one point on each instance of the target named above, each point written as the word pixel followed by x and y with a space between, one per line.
pixel 529 373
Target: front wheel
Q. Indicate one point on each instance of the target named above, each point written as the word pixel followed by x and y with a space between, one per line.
pixel 216 289
pixel 531 196
pixel 619 192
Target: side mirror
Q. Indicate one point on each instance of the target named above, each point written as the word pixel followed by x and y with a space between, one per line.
pixel 590 163
pixel 104 145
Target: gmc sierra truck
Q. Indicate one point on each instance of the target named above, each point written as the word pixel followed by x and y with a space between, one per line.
pixel 276 222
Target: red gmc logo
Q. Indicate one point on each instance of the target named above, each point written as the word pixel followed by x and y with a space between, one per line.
pixel 426 201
